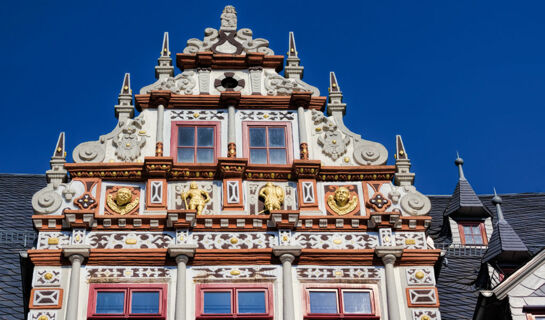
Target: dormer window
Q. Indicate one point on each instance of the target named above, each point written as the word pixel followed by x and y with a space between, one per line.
pixel 268 142
pixel 195 143
pixel 472 233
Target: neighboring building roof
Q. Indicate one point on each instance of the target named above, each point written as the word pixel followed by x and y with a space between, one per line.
pixel 16 234
pixel 524 212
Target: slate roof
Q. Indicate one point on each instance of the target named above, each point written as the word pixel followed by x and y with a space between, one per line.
pixel 505 245
pixel 465 202
pixel 16 234
pixel 524 212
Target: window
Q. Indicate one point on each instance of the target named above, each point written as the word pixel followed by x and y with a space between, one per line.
pixel 195 143
pixel 340 303
pixel 127 301
pixel 268 142
pixel 228 301
pixel 472 233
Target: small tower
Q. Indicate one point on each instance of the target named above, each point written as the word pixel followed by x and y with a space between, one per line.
pixel 403 176
pixel 335 101
pixel 57 174
pixel 164 68
pixel 125 109
pixel 293 68
pixel 506 251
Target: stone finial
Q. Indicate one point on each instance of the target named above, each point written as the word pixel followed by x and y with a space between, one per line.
pixel 335 102
pixel 293 68
pixel 57 174
pixel 403 176
pixel 125 109
pixel 229 19
pixel 164 68
pixel 459 162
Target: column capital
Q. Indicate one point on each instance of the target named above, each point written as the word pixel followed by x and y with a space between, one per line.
pixel 187 250
pixel 388 254
pixel 284 252
pixel 81 250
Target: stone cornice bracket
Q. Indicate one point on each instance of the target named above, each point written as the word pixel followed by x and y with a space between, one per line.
pixel 125 108
pixel 335 101
pixel 388 254
pixel 179 251
pixel 287 253
pixel 229 99
pixel 293 68
pixel 403 176
pixel 57 174
pixel 164 68
pixel 159 97
pixel 78 251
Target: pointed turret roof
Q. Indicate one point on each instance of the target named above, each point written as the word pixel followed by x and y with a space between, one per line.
pixel 505 246
pixel 464 202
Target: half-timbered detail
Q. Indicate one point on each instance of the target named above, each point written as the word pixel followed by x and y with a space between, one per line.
pixel 232 194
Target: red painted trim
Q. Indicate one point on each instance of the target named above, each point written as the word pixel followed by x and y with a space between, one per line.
pixel 128 289
pixel 461 225
pixel 302 204
pixel 246 137
pixel 49 306
pixel 372 289
pixel 174 136
pixel 156 206
pixel 233 288
pixel 233 206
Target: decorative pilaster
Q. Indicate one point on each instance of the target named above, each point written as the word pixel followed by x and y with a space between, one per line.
pixel 182 253
pixel 231 133
pixel 287 255
pixel 159 132
pixel 389 256
pixel 303 140
pixel 76 254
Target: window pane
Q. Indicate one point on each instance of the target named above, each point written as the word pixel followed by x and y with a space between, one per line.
pixel 277 156
pixel 217 302
pixel 205 155
pixel 357 302
pixel 110 302
pixel 186 155
pixel 258 156
pixel 323 302
pixel 205 137
pixel 251 302
pixel 277 137
pixel 257 137
pixel 145 302
pixel 186 136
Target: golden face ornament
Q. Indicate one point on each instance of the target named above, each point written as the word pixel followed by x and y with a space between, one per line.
pixel 122 201
pixel 341 202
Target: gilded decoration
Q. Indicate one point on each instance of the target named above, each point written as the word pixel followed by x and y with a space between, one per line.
pixel 342 200
pixel 122 200
pixel 273 196
pixel 198 198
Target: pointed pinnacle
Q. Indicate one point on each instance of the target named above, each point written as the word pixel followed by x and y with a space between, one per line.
pixel 165 51
pixel 333 84
pixel 400 149
pixel 59 152
pixel 496 200
pixel 292 50
pixel 459 162
pixel 126 88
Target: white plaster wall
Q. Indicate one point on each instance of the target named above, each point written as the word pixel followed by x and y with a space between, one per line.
pixel 455 231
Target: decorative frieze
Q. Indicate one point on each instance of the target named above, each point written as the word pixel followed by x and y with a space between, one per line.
pixel 227 240
pixel 130 240
pixel 235 272
pixel 53 240
pixel 197 115
pixel 425 314
pixel 43 315
pixel 50 277
pixel 50 298
pixel 338 273
pixel 78 236
pixel 266 115
pixel 386 237
pixel 127 272
pixel 336 240
pixel 411 240
pixel 420 276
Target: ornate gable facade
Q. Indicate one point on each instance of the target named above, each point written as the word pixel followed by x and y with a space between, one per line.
pixel 231 194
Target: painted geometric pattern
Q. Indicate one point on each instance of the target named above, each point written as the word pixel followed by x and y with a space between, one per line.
pixel 212 273
pixel 43 315
pixel 422 296
pixel 411 240
pixel 420 276
pixel 130 240
pixel 53 240
pixel 226 240
pixel 336 240
pixel 46 278
pixel 424 314
pixel 338 273
pixel 127 272
pixel 47 298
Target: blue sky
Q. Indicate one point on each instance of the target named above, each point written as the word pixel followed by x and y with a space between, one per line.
pixel 449 76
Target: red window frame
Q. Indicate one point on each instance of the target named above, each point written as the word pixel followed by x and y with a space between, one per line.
pixel 174 137
pixel 128 289
pixel 464 238
pixel 200 289
pixel 375 312
pixel 246 125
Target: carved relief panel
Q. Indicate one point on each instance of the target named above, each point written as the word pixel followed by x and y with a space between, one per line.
pixel 341 199
pixel 385 197
pixel 203 196
pixel 122 198
pixel 256 204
